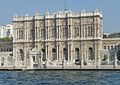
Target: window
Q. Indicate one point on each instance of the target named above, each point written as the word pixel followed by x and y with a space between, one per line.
pixel 91 54
pixel 21 55
pixel 20 34
pixel 76 31
pixel 96 19
pixel 33 58
pixel 89 30
pixel 42 33
pixel 108 47
pixel 104 47
pixel 64 32
pixel 111 47
pixel 33 33
pixel 53 33
pixel 54 57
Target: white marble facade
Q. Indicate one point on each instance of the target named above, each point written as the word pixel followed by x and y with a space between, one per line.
pixel 52 38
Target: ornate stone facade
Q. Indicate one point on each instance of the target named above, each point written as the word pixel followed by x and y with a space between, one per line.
pixel 52 39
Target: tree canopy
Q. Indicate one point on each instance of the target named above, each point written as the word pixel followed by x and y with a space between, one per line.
pixel 6 39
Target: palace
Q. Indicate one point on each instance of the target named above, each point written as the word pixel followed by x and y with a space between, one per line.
pixel 72 38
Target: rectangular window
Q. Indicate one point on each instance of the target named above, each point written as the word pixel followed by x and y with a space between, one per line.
pixel 33 58
pixel 76 31
pixel 42 33
pixel 90 31
pixel 20 34
pixel 53 32
pixel 64 32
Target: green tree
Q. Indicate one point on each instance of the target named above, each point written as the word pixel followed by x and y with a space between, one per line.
pixel 6 39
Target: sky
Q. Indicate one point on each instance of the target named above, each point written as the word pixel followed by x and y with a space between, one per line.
pixel 110 9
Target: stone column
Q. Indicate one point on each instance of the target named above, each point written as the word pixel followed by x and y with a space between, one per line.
pixel 17 34
pixel 115 61
pixel 72 51
pixel 69 52
pixel 57 32
pixel 96 53
pixel 46 50
pixel 71 30
pixel 82 60
pixel 57 53
pixel 61 54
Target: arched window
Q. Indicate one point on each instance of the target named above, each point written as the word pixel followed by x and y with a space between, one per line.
pixel 65 52
pixel 43 55
pixel 21 55
pixel 91 56
pixel 77 55
pixel 54 56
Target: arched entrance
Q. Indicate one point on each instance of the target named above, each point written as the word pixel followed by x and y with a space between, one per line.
pixel 91 56
pixel 54 56
pixel 65 54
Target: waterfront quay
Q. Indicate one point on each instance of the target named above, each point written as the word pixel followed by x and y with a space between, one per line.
pixel 67 68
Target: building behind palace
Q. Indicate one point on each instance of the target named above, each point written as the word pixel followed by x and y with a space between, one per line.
pixel 65 36
pixel 6 31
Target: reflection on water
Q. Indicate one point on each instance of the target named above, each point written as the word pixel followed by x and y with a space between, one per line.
pixel 59 78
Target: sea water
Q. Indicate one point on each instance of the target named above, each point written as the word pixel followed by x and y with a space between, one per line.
pixel 59 78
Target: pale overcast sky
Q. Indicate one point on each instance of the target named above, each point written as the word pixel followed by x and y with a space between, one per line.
pixel 110 9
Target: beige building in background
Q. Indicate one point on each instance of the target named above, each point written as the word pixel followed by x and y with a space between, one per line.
pixel 64 37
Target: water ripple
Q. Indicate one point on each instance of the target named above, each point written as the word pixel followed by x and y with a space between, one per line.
pixel 59 78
